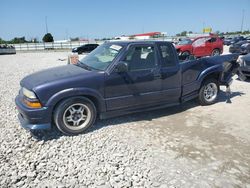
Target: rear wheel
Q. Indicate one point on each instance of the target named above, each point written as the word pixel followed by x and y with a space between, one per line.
pixel 209 91
pixel 215 52
pixel 185 55
pixel 75 115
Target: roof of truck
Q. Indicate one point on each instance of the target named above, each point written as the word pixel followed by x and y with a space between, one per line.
pixel 126 42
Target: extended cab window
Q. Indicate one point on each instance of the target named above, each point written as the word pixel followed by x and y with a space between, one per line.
pixel 167 56
pixel 141 57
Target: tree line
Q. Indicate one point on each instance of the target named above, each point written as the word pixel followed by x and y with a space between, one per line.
pixel 17 40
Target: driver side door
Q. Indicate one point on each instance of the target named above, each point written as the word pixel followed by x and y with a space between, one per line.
pixel 199 47
pixel 140 85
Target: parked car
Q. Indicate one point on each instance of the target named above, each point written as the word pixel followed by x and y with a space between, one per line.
pixel 85 48
pixel 245 48
pixel 200 47
pixel 119 78
pixel 7 49
pixel 227 41
pixel 245 65
pixel 236 47
pixel 237 39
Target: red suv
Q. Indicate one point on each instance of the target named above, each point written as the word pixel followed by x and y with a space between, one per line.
pixel 200 46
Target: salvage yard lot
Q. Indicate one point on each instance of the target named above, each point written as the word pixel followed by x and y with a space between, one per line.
pixel 184 146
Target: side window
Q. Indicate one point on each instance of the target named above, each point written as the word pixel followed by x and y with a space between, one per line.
pixel 213 39
pixel 199 42
pixel 140 57
pixel 167 55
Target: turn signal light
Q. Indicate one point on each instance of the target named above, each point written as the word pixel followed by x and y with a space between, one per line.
pixel 32 104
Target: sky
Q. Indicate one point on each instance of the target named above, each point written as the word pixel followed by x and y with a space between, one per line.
pixel 110 18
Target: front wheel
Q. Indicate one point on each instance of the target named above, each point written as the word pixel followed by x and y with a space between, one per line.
pixel 209 91
pixel 75 115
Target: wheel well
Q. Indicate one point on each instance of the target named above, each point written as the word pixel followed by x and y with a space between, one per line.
pixel 217 49
pixel 215 75
pixel 94 100
pixel 186 51
pixel 91 98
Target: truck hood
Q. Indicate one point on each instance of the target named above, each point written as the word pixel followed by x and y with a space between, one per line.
pixel 50 75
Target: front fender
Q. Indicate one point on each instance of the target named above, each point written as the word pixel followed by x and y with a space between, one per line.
pixel 71 92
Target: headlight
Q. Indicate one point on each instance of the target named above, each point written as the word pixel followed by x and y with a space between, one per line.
pixel 30 99
pixel 29 94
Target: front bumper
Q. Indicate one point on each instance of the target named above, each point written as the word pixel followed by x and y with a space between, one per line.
pixel 33 119
pixel 32 126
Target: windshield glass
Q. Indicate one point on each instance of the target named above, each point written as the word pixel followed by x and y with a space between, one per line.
pixel 101 57
pixel 185 41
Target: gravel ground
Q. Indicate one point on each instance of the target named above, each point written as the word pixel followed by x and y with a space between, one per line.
pixel 185 146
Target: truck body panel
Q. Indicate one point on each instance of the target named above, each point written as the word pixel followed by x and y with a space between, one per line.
pixel 164 83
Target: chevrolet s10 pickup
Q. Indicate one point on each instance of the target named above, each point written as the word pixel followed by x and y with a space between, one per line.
pixel 119 78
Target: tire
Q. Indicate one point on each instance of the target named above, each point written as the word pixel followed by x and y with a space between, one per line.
pixel 75 115
pixel 186 54
pixel 209 91
pixel 215 52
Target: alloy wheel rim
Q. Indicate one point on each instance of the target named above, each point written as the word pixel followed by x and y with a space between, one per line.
pixel 77 116
pixel 216 53
pixel 210 92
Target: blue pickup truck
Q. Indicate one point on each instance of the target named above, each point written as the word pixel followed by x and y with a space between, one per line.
pixel 119 78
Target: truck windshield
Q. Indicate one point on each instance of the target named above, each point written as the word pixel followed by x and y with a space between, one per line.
pixel 101 57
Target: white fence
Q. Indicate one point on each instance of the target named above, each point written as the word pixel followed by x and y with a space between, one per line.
pixel 50 45
pixel 63 45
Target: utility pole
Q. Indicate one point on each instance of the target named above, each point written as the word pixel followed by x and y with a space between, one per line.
pixel 46 24
pixel 242 20
pixel 203 25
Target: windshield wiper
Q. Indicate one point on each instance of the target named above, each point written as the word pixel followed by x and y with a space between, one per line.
pixel 87 67
pixel 81 64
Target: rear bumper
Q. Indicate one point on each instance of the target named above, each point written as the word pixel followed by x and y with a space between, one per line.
pixel 33 119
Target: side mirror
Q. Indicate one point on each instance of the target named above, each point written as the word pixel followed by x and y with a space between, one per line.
pixel 121 67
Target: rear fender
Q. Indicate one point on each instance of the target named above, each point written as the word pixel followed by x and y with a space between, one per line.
pixel 225 66
pixel 209 72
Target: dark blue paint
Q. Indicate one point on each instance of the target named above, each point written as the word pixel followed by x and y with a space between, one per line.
pixel 117 93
